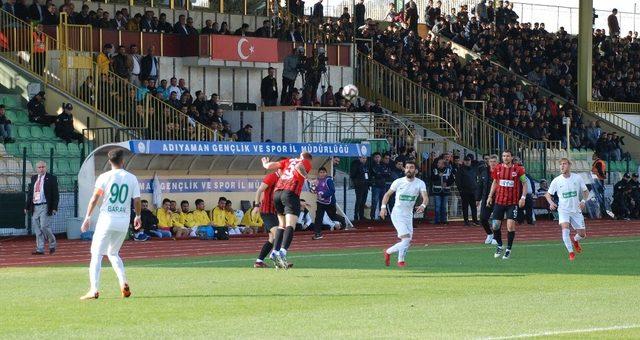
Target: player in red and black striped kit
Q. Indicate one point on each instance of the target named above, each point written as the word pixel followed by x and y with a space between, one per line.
pixel 264 196
pixel 509 185
pixel 286 198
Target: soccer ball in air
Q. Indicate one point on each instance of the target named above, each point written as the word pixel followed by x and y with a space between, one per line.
pixel 350 92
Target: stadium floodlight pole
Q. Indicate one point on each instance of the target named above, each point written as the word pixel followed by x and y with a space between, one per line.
pixel 585 52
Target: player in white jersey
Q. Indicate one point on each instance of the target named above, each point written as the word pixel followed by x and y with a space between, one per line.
pixel 407 190
pixel 568 186
pixel 118 187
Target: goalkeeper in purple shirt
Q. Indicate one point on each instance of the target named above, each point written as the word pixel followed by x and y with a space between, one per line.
pixel 325 190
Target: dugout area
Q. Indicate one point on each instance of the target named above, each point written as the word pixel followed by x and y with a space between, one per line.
pixel 206 170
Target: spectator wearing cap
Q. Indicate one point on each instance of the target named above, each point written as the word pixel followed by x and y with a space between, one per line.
pixel 269 89
pixel 5 127
pixel 244 134
pixel 37 113
pixel 64 125
pixel 466 181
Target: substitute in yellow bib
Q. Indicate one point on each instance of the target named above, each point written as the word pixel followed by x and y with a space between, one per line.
pixel 183 221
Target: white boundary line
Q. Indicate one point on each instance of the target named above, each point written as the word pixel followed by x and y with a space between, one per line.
pixel 572 331
pixel 414 249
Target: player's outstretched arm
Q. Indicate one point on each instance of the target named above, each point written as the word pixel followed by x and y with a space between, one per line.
pixel 269 165
pixel 383 205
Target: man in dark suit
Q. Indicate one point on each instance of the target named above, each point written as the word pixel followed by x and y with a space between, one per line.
pixel 269 89
pixel 51 16
pixel 36 11
pixel 149 66
pixel 318 13
pixel 264 31
pixel 42 203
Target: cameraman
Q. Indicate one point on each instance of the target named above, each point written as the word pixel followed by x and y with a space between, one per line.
pixel 316 66
pixel 292 65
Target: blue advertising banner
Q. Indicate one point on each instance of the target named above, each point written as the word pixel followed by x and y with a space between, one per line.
pixel 185 185
pixel 247 149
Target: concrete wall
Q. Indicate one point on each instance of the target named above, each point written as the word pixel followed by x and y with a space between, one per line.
pixel 238 84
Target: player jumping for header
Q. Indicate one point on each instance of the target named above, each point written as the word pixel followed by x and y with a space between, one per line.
pixel 407 190
pixel 567 186
pixel 286 199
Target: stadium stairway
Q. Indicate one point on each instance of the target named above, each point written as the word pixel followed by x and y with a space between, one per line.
pixel 40 143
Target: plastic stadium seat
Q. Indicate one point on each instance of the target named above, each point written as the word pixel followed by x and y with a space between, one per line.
pixel 14 183
pixel 22 118
pixel 62 167
pixel 37 150
pixel 12 116
pixel 24 133
pixel 12 149
pixel 47 148
pixel 36 133
pixel 3 183
pixel 22 146
pixel 61 150
pixel 74 149
pixel 48 133
pixel 30 169
pixel 13 166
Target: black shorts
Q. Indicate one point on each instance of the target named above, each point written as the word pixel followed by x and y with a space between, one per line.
pixel 499 212
pixel 269 221
pixel 286 202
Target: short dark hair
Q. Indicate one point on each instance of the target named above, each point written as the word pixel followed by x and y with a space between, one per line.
pixel 410 162
pixel 166 200
pixel 144 201
pixel 172 201
pixel 322 169
pixel 198 201
pixel 376 153
pixel 222 198
pixel 115 156
pixel 508 151
pixel 307 155
pixel 183 202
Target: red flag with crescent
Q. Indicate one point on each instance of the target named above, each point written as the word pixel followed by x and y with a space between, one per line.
pixel 237 48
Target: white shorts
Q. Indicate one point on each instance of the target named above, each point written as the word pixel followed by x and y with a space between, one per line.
pixel 107 241
pixel 576 220
pixel 403 222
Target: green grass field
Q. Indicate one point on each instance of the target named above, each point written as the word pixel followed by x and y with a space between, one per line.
pixel 446 292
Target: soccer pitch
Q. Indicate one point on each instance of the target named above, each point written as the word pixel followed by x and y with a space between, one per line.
pixel 445 292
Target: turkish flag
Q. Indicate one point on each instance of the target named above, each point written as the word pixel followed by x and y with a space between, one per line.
pixel 238 48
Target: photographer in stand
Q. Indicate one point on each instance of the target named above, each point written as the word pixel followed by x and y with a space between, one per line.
pixel 316 67
pixel 293 64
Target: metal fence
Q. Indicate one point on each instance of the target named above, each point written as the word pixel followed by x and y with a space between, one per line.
pixel 56 64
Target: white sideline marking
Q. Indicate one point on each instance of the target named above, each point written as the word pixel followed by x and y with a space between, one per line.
pixel 414 249
pixel 572 331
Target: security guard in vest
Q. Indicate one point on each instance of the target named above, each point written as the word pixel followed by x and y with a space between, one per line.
pixel 39 50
